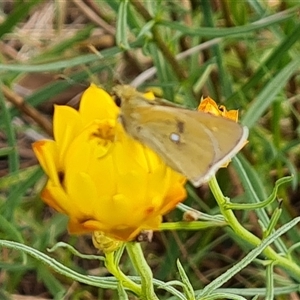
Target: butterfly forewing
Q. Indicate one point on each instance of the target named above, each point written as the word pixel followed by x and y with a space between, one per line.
pixel 193 143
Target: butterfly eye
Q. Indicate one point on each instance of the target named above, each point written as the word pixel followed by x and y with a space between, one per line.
pixel 118 100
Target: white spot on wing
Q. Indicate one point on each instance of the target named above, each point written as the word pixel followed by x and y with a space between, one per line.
pixel 175 137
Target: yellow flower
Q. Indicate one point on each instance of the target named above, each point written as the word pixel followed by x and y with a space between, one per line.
pixel 208 105
pixel 100 177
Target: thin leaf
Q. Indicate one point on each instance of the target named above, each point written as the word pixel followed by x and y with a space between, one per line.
pixel 269 93
pixel 187 287
pixel 248 258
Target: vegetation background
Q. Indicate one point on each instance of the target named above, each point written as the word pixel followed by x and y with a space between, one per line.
pixel 244 54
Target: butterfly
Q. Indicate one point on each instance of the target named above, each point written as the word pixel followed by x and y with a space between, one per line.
pixel 194 143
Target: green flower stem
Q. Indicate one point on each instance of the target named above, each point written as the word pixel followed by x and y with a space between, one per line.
pixel 195 225
pixel 119 275
pixel 136 255
pixel 247 235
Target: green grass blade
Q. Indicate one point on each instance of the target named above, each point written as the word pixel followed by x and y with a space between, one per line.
pixel 269 93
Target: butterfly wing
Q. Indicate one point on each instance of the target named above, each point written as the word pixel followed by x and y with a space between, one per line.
pixel 194 143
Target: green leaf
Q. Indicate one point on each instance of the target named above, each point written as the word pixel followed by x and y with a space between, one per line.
pixel 277 54
pixel 269 93
pixel 49 280
pixel 10 230
pixel 270 281
pixel 19 13
pixel 102 282
pixel 248 258
pixel 16 177
pixel 238 31
pixel 122 33
pixel 187 287
pixel 16 195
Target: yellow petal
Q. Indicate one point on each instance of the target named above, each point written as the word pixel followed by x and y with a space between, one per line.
pixel 55 196
pixel 66 126
pixel 97 104
pixel 208 105
pixel 229 114
pixel 47 153
pixel 83 193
